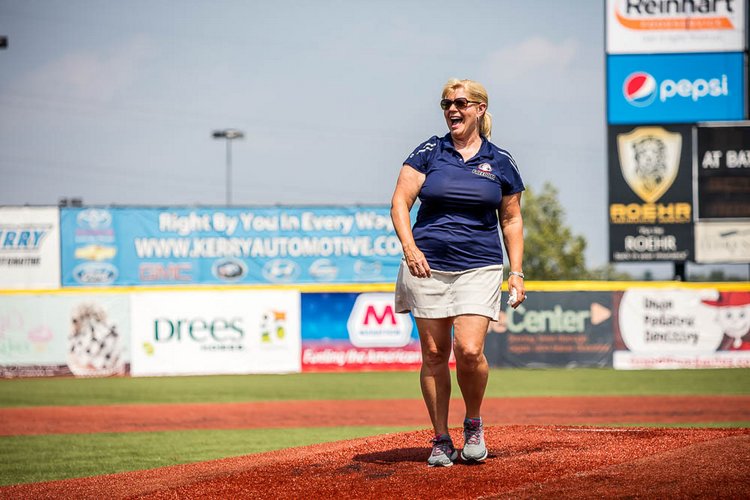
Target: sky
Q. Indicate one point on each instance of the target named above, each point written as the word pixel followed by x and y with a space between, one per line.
pixel 116 102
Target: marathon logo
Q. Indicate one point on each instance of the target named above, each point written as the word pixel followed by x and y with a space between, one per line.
pixel 14 238
pixel 675 14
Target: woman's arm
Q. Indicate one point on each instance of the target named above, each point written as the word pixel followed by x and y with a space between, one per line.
pixel 407 188
pixel 511 224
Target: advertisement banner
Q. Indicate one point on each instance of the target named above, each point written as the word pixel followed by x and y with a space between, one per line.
pixel 650 193
pixel 215 332
pixel 554 329
pixel 675 88
pixel 722 242
pixel 723 171
pixel 29 247
pixel 356 332
pixel 682 329
pixel 50 335
pixel 149 246
pixel 641 26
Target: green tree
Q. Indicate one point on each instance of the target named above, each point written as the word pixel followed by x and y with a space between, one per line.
pixel 608 272
pixel 551 250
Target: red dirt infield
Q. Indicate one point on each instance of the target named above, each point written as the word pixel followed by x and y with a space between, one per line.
pixel 541 459
pixel 524 462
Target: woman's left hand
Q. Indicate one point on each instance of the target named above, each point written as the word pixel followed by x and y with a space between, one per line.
pixel 516 283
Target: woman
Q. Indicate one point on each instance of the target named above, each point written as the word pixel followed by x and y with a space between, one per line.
pixel 452 269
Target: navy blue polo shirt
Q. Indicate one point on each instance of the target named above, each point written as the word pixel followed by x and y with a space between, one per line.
pixel 457 224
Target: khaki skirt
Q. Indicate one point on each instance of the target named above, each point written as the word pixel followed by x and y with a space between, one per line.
pixel 446 294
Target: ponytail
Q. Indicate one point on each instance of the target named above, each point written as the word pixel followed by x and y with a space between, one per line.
pixel 485 125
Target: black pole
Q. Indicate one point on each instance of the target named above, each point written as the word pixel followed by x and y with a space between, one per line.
pixel 229 172
pixel 679 271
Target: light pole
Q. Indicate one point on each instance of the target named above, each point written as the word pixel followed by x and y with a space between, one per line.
pixel 229 134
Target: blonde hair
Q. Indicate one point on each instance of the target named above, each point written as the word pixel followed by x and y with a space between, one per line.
pixel 476 92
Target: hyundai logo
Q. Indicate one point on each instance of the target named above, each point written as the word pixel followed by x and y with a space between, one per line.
pixel 280 270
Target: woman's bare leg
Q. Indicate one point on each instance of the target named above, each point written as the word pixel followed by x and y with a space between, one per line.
pixel 472 369
pixel 435 378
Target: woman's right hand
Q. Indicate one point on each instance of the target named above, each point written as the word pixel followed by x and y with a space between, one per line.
pixel 417 263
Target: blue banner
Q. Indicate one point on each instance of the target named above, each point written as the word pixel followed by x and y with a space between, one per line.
pixel 357 331
pixel 675 88
pixel 278 245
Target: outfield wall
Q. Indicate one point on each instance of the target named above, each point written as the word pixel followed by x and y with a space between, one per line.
pixel 282 329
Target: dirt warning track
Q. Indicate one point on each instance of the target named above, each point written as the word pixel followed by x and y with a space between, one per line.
pixel 524 462
pixel 280 414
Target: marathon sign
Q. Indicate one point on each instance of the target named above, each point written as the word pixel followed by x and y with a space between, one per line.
pixel 664 26
pixel 650 193
pixel 357 332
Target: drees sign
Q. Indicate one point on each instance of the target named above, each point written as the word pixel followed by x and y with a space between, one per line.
pixel 661 26
pixel 217 332
pixel 675 88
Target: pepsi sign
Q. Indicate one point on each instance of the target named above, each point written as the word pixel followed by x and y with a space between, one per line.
pixel 675 88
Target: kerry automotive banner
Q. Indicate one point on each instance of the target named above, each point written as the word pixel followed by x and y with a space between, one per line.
pixel 353 332
pixel 50 335
pixel 650 193
pixel 658 26
pixel 554 329
pixel 675 88
pixel 29 247
pixel 215 332
pixel 133 246
pixel 682 329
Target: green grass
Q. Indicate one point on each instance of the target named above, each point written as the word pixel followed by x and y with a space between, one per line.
pixel 26 459
pixel 383 385
pixel 40 458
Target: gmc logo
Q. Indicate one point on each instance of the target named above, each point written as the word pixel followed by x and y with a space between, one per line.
pixel 172 271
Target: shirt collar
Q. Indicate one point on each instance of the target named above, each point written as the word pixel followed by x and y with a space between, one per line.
pixel 485 150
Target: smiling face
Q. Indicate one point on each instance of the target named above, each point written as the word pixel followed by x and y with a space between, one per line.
pixel 735 321
pixel 463 123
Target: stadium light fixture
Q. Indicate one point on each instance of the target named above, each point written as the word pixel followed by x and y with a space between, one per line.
pixel 229 134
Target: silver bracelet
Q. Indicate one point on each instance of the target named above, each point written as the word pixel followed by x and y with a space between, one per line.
pixel 513 273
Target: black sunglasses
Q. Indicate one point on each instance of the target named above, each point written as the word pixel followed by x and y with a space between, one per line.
pixel 460 103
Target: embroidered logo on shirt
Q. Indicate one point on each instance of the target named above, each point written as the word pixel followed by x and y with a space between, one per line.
pixel 485 170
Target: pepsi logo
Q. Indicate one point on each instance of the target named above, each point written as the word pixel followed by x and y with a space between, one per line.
pixel 639 89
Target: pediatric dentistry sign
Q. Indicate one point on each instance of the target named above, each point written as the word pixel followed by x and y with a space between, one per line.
pixel 134 246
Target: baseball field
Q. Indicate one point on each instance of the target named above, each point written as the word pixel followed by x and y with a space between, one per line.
pixel 551 433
